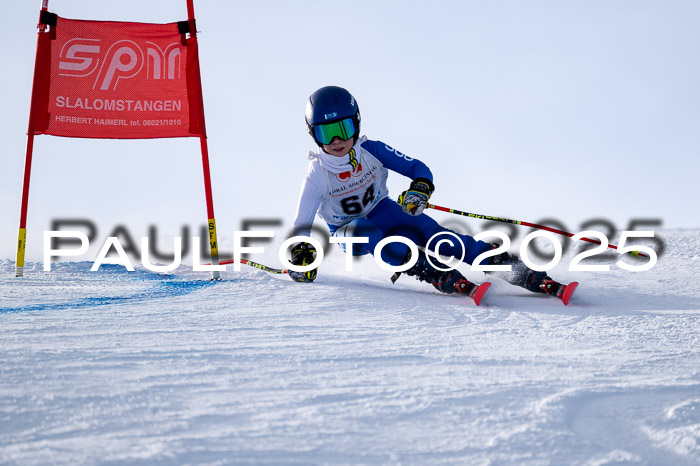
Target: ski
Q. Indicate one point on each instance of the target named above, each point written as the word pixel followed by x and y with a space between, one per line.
pixel 559 290
pixel 478 291
pixel 475 291
pixel 462 286
pixel 565 291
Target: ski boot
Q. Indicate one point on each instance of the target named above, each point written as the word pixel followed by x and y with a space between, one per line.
pixel 537 282
pixel 449 281
pixel 560 290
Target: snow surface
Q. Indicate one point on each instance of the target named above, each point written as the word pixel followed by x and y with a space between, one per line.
pixel 133 367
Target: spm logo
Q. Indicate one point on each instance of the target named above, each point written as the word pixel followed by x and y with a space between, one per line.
pixel 124 59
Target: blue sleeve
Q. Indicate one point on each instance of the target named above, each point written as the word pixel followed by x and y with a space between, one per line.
pixel 396 161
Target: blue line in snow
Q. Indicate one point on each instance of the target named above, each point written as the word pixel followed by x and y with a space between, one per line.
pixel 165 287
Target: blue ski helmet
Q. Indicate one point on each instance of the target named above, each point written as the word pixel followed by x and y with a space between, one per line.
pixel 332 111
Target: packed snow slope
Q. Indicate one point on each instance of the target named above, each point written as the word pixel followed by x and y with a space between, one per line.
pixel 121 367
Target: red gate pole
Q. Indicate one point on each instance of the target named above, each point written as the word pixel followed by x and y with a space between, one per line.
pixel 213 242
pixel 22 236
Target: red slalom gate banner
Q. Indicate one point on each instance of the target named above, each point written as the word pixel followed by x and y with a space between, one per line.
pixel 104 79
pixel 116 80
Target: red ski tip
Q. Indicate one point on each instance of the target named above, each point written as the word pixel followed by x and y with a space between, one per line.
pixel 568 291
pixel 480 292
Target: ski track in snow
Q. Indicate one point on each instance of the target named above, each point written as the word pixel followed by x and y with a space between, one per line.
pixel 117 367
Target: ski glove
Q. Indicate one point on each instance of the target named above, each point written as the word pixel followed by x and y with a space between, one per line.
pixel 414 200
pixel 303 254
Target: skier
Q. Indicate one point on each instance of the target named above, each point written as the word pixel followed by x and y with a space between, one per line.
pixel 346 185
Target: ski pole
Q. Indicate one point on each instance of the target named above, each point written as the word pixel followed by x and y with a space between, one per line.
pixel 526 224
pixel 262 267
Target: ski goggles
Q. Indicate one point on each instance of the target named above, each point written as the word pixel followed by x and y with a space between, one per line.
pixel 344 129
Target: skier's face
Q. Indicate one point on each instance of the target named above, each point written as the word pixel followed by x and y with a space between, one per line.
pixel 338 147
